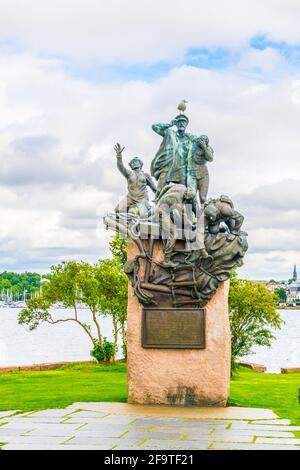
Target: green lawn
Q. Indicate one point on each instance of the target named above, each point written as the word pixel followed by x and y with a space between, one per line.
pixel 280 392
pixel 32 390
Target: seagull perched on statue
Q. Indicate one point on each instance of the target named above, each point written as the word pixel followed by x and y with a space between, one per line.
pixel 182 106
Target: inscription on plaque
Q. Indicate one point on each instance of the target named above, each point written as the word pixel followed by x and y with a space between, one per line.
pixel 173 328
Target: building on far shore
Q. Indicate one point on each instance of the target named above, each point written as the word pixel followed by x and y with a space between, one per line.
pixel 293 289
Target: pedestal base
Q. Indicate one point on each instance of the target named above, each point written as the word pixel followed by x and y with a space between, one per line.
pixel 198 377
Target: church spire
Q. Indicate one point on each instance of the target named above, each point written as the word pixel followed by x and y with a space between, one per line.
pixel 295 273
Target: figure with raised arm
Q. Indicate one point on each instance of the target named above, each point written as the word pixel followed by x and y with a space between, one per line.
pixel 137 200
pixel 171 161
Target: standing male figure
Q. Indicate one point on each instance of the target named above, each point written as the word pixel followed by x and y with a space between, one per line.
pixel 171 161
pixel 198 176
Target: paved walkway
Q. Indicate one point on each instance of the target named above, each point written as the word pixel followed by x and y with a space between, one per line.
pixel 94 426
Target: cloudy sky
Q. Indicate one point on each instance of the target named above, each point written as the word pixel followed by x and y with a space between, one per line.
pixel 76 76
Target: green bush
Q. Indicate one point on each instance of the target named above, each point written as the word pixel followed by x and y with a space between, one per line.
pixel 104 354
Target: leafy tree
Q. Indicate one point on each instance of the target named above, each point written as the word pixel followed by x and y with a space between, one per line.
pixel 102 287
pixel 69 284
pixel 253 316
pixel 17 283
pixel 281 293
pixel 118 248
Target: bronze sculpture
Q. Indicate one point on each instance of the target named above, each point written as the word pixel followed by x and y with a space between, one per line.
pixel 201 242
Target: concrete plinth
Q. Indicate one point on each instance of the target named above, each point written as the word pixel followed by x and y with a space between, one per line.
pixel 198 377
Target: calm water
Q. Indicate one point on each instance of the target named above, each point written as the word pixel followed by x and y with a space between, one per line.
pixel 48 343
pixel 67 342
pixel 285 350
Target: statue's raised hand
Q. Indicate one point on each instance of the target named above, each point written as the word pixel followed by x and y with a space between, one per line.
pixel 118 149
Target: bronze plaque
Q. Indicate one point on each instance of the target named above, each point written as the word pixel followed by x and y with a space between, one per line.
pixel 173 328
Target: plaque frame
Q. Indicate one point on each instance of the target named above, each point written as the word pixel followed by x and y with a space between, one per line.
pixel 201 344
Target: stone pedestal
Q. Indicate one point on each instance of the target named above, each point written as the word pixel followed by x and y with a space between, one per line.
pixel 198 377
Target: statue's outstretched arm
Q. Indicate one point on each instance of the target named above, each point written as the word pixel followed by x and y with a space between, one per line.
pixel 120 165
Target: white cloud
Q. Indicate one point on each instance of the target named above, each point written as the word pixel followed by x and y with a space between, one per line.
pixel 265 60
pixel 143 31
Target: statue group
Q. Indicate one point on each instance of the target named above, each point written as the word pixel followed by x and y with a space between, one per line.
pixel 202 238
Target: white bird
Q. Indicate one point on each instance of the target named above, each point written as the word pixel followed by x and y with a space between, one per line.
pixel 182 107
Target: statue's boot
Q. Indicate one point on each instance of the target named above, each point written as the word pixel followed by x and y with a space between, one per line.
pixel 168 264
pixel 197 254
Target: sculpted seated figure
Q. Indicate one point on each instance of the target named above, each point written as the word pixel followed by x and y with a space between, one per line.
pixel 137 199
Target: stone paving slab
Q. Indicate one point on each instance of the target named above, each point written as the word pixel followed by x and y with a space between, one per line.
pixel 231 412
pixel 18 425
pixel 264 427
pixel 241 446
pixel 7 413
pixel 271 421
pixel 51 420
pixel 53 429
pixel 111 430
pixel 229 437
pixel 49 447
pixel 154 435
pixel 251 432
pixel 156 444
pixel 197 433
pixel 48 413
pixel 277 440
pixel 75 428
pixel 119 419
pixel 87 414
pixel 14 431
pixel 32 440
pixel 102 442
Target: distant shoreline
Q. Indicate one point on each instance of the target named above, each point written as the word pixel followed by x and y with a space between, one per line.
pixel 289 308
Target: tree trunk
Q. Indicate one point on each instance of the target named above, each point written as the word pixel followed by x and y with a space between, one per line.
pixel 124 339
pixel 100 339
pixel 115 344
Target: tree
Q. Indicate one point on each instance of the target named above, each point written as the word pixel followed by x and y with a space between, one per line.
pixel 14 284
pixel 118 248
pixel 281 293
pixel 102 287
pixel 253 316
pixel 69 284
pixel 113 288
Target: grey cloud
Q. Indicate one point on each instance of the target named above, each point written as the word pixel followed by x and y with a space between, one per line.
pixel 33 160
pixel 280 196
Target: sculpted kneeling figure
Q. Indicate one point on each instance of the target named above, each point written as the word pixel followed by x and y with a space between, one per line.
pixel 172 207
pixel 221 211
pixel 137 199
